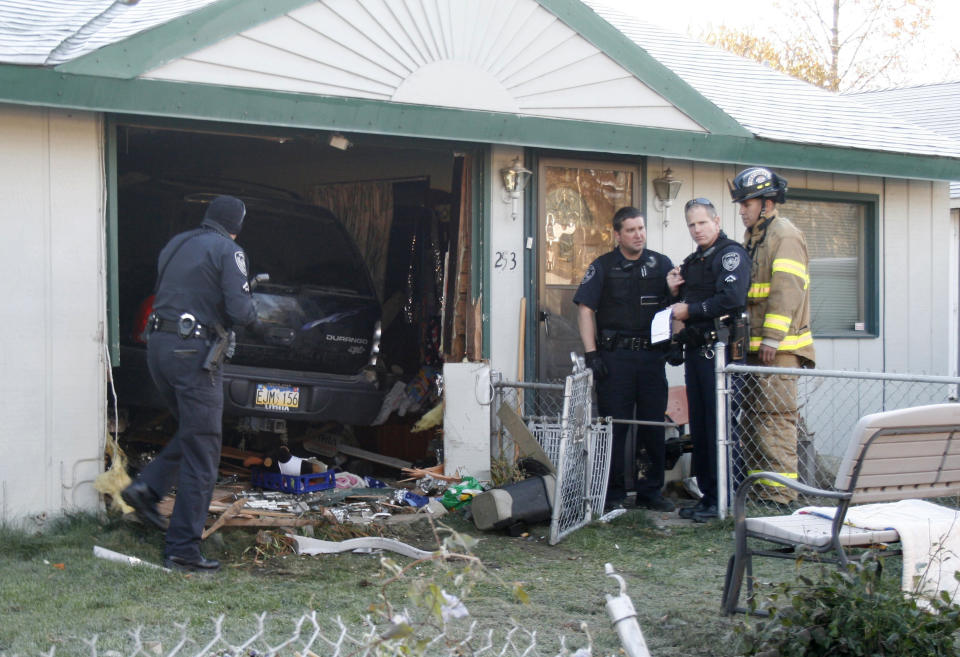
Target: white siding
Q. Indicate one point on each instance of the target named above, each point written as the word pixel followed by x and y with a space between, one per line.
pixel 918 303
pixel 516 57
pixel 51 356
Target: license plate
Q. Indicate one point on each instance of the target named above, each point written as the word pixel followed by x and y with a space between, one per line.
pixel 273 397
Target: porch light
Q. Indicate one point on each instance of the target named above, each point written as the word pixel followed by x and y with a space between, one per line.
pixel 515 178
pixel 665 190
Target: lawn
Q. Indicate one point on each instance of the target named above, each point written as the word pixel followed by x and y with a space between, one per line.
pixel 55 594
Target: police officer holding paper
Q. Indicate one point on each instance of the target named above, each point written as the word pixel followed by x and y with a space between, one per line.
pixel 620 293
pixel 715 280
pixel 202 288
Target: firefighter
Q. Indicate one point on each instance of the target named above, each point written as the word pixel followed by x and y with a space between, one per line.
pixel 715 281
pixel 778 305
pixel 620 293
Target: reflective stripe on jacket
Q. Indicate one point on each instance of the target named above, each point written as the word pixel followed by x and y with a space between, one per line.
pixel 778 301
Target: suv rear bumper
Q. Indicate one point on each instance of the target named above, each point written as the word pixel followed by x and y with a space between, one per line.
pixel 323 397
pixel 347 399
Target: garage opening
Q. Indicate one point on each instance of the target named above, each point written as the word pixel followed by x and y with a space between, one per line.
pixel 359 250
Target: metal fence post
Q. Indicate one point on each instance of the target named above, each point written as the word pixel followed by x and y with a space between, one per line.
pixel 723 442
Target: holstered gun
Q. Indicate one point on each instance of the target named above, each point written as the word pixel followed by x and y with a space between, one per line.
pixel 734 329
pixel 222 348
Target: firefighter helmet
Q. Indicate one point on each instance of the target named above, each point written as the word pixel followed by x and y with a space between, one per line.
pixel 758 181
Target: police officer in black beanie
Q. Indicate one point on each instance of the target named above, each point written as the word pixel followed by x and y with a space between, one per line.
pixel 202 283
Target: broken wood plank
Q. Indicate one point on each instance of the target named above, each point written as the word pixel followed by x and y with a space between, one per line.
pixel 292 521
pixel 231 511
pixel 522 437
pixel 350 450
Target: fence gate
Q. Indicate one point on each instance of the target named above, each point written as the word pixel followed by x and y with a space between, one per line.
pixel 559 417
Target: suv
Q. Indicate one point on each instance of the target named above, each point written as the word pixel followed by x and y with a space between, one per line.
pixel 317 358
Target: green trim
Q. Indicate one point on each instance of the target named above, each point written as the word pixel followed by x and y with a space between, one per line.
pixel 204 27
pixel 155 98
pixel 111 232
pixel 620 48
pixel 871 256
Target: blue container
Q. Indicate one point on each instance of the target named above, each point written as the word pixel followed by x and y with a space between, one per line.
pixel 296 484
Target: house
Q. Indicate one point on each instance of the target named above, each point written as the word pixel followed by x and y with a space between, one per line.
pixel 935 107
pixel 434 100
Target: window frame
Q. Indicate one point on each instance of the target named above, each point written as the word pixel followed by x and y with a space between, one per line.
pixel 870 256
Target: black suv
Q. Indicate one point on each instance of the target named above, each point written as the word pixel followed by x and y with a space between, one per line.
pixel 316 359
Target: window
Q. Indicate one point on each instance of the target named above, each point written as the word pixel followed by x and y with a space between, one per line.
pixel 840 230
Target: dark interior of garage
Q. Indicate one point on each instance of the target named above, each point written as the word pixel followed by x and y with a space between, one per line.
pixel 405 205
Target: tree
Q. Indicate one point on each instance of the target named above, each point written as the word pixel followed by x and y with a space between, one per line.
pixel 840 45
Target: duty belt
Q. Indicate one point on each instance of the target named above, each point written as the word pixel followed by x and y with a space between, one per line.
pixel 186 327
pixel 623 342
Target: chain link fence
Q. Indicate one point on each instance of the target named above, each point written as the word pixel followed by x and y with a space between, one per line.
pixel 312 638
pixel 797 422
pixel 559 417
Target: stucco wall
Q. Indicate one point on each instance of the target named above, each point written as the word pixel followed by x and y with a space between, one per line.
pixel 51 354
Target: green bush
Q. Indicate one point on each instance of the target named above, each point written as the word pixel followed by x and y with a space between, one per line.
pixel 851 612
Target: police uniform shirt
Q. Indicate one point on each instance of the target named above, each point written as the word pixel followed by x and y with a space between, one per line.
pixel 204 272
pixel 716 280
pixel 631 311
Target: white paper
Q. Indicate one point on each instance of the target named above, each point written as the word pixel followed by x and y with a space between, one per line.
pixel 660 326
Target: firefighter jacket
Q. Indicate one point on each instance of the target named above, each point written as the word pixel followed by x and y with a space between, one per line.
pixel 778 301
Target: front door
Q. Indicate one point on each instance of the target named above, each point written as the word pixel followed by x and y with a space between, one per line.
pixel 577 201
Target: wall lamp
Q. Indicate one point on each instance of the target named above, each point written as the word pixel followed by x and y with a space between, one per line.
pixel 665 190
pixel 339 142
pixel 515 178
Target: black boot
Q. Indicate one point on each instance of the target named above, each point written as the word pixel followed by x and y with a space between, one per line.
pixel 144 503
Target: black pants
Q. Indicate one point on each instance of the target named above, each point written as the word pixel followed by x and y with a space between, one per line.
pixel 699 372
pixel 191 458
pixel 635 388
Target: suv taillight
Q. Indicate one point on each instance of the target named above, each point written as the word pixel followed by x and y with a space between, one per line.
pixel 140 323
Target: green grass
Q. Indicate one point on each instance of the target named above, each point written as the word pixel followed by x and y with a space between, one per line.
pixel 674 576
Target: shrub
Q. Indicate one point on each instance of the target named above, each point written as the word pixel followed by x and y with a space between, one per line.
pixel 851 612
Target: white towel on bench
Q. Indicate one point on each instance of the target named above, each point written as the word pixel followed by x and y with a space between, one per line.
pixel 929 537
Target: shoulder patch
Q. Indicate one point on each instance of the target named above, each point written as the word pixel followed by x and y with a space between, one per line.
pixel 590 273
pixel 241 261
pixel 730 261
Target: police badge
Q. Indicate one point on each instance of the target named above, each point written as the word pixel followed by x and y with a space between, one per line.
pixel 591 270
pixel 241 261
pixel 730 261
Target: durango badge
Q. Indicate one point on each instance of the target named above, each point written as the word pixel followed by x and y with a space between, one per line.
pixel 731 261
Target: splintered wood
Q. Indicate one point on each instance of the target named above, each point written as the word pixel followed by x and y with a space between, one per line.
pixel 419 473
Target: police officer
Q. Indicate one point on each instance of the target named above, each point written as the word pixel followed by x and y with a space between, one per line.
pixel 201 285
pixel 715 278
pixel 620 293
pixel 780 333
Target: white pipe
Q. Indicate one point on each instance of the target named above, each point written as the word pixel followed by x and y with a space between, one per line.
pixel 624 619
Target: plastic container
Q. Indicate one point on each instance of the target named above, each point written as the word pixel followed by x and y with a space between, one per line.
pixel 296 484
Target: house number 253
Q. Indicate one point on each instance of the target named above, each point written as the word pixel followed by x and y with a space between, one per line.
pixel 506 260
